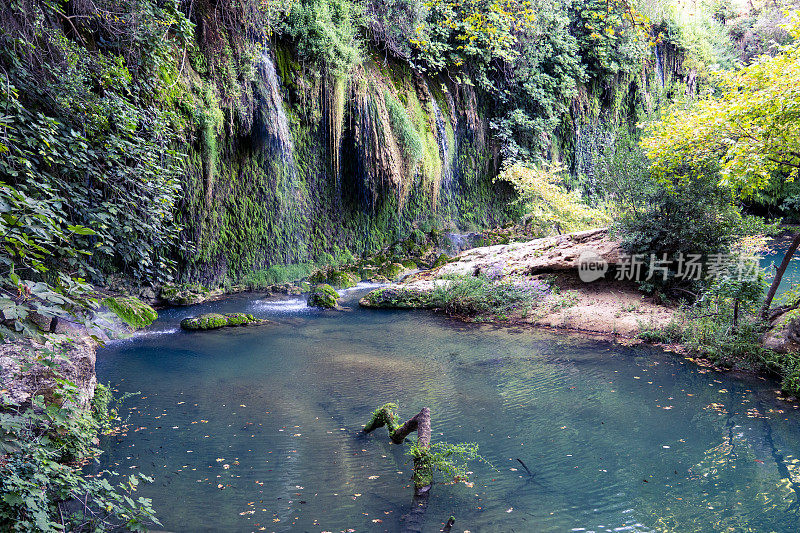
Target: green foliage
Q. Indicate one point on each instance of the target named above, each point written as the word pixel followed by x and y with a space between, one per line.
pixel 723 325
pixel 385 415
pixel 482 295
pixel 611 36
pixel 670 213
pixel 88 170
pixel 131 310
pixel 549 207
pixel 337 278
pixel 35 232
pixel 275 275
pixel 404 130
pixel 391 271
pixel 41 449
pixel 451 461
pixel 326 31
pixel 698 32
pixel 742 132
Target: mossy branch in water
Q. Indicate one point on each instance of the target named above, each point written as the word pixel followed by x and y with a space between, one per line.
pixel 451 460
pixel 383 416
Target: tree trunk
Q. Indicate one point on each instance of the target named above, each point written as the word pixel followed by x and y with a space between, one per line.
pixel 779 275
pixel 421 423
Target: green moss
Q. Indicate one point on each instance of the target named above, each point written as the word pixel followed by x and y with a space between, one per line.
pixel 323 295
pixel 339 279
pixel 391 271
pixel 186 294
pixel 443 259
pixel 131 310
pixel 217 320
pixel 275 275
pixel 404 129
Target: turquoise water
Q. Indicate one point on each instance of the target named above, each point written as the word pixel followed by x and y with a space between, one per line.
pixel 773 259
pixel 254 428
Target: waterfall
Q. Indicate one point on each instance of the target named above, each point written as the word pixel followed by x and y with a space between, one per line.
pixel 659 64
pixel 291 216
pixel 276 123
pixel 444 149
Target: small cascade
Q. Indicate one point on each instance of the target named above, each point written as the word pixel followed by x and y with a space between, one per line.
pixel 445 151
pixel 277 124
pixel 278 135
pixel 659 65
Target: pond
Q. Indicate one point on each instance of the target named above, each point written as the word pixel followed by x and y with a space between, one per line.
pixel 255 429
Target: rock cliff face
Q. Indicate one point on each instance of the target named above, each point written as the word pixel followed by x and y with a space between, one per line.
pixel 314 167
pixel 29 369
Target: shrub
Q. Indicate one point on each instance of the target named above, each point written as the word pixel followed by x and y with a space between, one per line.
pixel 327 31
pixel 481 295
pixel 42 487
pixel 549 207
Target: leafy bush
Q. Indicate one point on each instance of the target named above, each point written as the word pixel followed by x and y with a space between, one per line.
pixel 42 488
pixel 722 325
pixel 548 205
pixel 87 162
pixel 327 31
pixel 448 460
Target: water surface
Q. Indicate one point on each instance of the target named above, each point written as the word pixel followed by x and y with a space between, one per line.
pixel 254 429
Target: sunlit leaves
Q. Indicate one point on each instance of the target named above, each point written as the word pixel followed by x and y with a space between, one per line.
pixel 549 206
pixel 750 130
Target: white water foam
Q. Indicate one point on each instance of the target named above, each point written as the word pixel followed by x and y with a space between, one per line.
pixel 294 305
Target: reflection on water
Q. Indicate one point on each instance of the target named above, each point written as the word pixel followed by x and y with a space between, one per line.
pixel 252 428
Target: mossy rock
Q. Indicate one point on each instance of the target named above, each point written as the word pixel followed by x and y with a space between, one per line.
pixel 184 295
pixel 219 320
pixel 367 272
pixel 391 271
pixel 443 259
pixel 323 295
pixel 131 310
pixel 305 286
pixel 340 279
pixel 409 264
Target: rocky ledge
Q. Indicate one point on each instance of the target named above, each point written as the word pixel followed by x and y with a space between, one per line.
pixel 605 307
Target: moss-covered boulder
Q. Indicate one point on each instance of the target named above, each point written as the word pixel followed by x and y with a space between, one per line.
pixel 219 320
pixel 341 279
pixel 323 295
pixel 391 271
pixel 187 294
pixel 131 310
pixel 443 259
